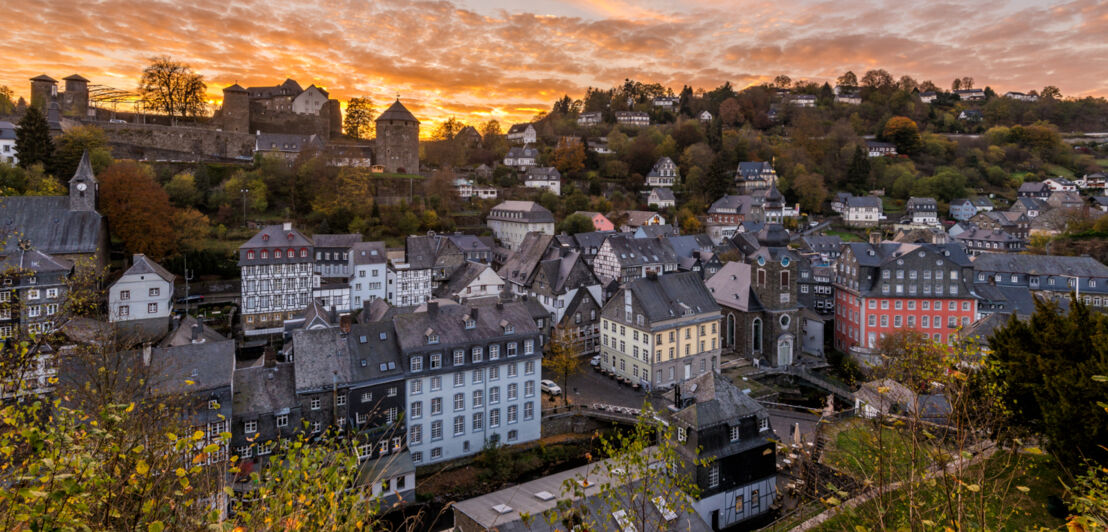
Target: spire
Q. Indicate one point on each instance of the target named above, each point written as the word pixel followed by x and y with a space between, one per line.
pixel 84 170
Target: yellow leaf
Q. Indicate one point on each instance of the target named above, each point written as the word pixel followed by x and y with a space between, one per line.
pixel 198 435
pixel 142 467
pixel 181 472
pixel 1024 489
pixel 973 487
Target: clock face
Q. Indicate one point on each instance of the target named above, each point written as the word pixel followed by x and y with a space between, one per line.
pixel 81 186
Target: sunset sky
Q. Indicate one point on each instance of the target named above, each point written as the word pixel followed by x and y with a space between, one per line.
pixel 481 59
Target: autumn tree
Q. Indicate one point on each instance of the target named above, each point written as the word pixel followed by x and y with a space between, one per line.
pixel 182 189
pixel 576 223
pixel 903 132
pixel 358 121
pixel 7 102
pixel 192 228
pixel 810 190
pixel 137 208
pixel 847 80
pixel 1050 92
pixel 878 79
pixel 32 139
pixel 569 157
pixel 171 87
pixel 447 129
pixel 72 144
pixel 782 81
pixel 563 357
pixel 857 174
pixel 730 113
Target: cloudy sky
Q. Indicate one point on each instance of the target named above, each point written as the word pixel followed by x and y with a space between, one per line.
pixel 481 59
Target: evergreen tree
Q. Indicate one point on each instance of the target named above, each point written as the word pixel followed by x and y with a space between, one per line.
pixel 857 175
pixel 32 140
pixel 720 176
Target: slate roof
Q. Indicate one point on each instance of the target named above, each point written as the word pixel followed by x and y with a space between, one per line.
pixel 368 253
pixel 208 365
pixel 518 152
pixel 686 245
pixel 1033 186
pixel 823 244
pixel 321 358
pixel 375 343
pixel 543 173
pixel 397 111
pixel 925 204
pixel 592 239
pixel 336 241
pixel 49 225
pixel 43 77
pixel 754 169
pixel 639 218
pixel 656 231
pixel 449 324
pixel 1016 299
pixel 33 261
pixel 988 235
pixel 278 237
pixel 663 194
pixel 7 130
pixel 716 401
pixel 462 276
pixel 287 88
pixel 863 202
pixel 468 243
pixel 520 266
pixel 636 251
pixel 888 252
pixel 142 265
pixel 668 296
pixel 285 142
pixel 260 390
pixel 518 129
pixel 730 286
pixel 1040 265
pixel 532 212
pixel 189 329
pixel 234 88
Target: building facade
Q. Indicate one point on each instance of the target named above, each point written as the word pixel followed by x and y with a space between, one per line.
pixel 32 294
pixel 398 140
pixel 277 278
pixel 369 273
pixel 144 292
pixel 510 221
pixel 406 285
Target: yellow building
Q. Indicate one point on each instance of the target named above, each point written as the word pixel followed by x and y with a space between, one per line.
pixel 660 330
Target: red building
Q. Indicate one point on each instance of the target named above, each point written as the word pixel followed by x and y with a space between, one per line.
pixel 886 287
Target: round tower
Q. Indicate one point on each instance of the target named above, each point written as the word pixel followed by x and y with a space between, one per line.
pixel 398 140
pixel 75 98
pixel 43 91
pixel 235 113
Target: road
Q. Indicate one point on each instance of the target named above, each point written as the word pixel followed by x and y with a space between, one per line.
pixel 589 386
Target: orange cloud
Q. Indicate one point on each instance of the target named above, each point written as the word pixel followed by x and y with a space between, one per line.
pixel 447 59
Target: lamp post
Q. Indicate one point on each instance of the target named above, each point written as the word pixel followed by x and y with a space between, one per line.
pixel 244 192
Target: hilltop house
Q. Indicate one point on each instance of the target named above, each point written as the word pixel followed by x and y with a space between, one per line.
pixel 510 221
pixel 545 177
pixel 661 198
pixel 522 134
pixel 663 174
pixel 521 157
pixel 863 211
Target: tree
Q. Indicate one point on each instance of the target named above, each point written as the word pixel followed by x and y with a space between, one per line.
pixel 1050 92
pixel 182 190
pixel 137 208
pixel 857 174
pixel 690 225
pixel 32 139
pixel 1043 367
pixel 576 223
pixel 71 146
pixel 903 132
pixel 782 81
pixel 569 157
pixel 811 190
pixel 171 87
pixel 848 79
pixel 967 83
pixel 877 79
pixel 563 356
pixel 729 112
pixel 358 121
pixel 192 228
pixel 447 129
pixel 7 104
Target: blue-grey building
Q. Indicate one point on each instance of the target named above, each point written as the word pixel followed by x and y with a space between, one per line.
pixel 1050 275
pixel 472 376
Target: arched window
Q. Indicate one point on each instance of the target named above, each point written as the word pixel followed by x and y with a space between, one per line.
pixel 303 252
pixel 276 253
pixel 784 351
pixel 756 335
pixel 730 339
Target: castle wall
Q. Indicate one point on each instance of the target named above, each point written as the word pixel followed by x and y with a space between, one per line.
pixel 290 122
pixel 156 142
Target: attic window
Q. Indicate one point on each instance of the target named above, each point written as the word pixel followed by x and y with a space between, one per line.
pixel 364 363
pixel 383 367
pixel 265 238
pixel 384 336
pixel 432 338
pixel 471 323
pixel 509 329
pixel 361 339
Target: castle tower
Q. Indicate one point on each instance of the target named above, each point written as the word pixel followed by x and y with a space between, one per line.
pixel 43 91
pixel 398 140
pixel 236 109
pixel 75 98
pixel 83 187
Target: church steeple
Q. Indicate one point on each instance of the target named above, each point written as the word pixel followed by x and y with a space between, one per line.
pixel 83 187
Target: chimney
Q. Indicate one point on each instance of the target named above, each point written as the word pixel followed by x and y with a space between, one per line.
pixel 344 323
pixel 875 237
pixel 652 275
pixel 499 305
pixel 269 357
pixel 287 226
pixel 473 313
pixel 196 333
pixel 146 350
pixel 677 396
pixel 432 307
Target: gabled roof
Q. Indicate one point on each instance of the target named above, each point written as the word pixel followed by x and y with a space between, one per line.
pixel 543 173
pixel 261 390
pixel 730 287
pixel 638 218
pixel 670 296
pixel 278 237
pixel 337 240
pixel 465 274
pixel 754 169
pixel 368 253
pixel 715 401
pixel 517 152
pixel 531 212
pixel 84 170
pixel 741 204
pixel 44 77
pixel 375 344
pixel 34 260
pixel 234 88
pixel 638 251
pixel 141 265
pixel 989 235
pixel 863 202
pixel 1040 265
pixel 663 194
pixel 656 231
pixel 520 266
pixel 518 128
pixel 397 111
pixel 190 330
pixel 822 243
pixel 49 224
pixel 448 323
pixel 75 77
pixel 321 358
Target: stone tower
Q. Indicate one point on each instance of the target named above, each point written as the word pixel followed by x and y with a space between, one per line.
pixel 774 272
pixel 398 140
pixel 236 109
pixel 43 91
pixel 75 98
pixel 83 187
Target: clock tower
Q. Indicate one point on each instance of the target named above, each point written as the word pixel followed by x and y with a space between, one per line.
pixel 83 187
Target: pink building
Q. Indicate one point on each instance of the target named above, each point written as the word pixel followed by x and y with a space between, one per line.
pixel 599 221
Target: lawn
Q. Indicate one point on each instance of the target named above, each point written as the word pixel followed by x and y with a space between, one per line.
pixel 1058 170
pixel 1011 495
pixel 852 445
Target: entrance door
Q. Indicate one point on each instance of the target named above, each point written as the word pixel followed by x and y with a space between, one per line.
pixel 784 352
pixel 688 370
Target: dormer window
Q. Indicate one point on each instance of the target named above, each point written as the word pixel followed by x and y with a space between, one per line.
pixel 509 329
pixel 763 424
pixel 471 323
pixel 265 238
pixel 265 254
pixel 432 338
pixel 734 433
pixel 250 255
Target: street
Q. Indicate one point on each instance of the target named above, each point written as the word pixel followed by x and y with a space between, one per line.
pixel 589 386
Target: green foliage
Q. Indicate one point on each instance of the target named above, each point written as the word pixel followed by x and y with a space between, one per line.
pixel 1043 367
pixel 182 190
pixel 72 144
pixel 576 223
pixel 32 139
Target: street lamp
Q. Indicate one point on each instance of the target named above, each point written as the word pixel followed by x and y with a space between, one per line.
pixel 244 192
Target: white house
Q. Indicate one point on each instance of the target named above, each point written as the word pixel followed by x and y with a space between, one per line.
pixel 521 157
pixel 545 177
pixel 510 221
pixel 705 116
pixel 632 118
pixel 370 273
pixel 862 211
pixel 310 101
pixel 522 134
pixel 589 119
pixel 467 189
pixel 472 281
pixel 407 286
pixel 1060 184
pixel 144 292
pixel 663 174
pixel 661 198
pixel 7 144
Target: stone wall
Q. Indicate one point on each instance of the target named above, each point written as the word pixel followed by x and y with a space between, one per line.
pixel 289 122
pixel 180 143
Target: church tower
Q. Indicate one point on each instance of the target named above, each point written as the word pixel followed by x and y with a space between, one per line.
pixel 83 187
pixel 398 140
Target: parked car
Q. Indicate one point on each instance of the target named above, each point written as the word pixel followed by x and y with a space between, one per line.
pixel 549 387
pixel 595 361
pixel 190 299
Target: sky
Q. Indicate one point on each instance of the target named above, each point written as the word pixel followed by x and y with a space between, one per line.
pixel 482 59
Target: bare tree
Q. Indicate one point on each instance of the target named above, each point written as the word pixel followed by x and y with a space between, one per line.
pixel 173 88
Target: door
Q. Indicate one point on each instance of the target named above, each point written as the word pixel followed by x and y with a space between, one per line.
pixel 688 370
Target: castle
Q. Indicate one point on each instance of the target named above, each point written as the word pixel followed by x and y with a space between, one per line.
pixel 284 108
pixel 398 140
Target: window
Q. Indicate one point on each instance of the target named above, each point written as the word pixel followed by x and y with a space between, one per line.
pixel 682 435
pixel 436 383
pixel 713 475
pixel 478 398
pixel 436 430
pixel 529 389
pixel 124 295
pixel 417 409
pixel 478 421
pixel 250 427
pixel 763 424
pixel 513 414
pixel 459 401
pixel 494 352
pixel 528 410
pixel 459 425
pixel 494 395
pixel 316 426
pixel 315 403
pixel 478 376
pixel 436 406
pixel 436 361
pixel 513 391
pixel 734 433
pixel 415 434
pixel 124 310
pixel 513 370
pixel 529 368
pixel 494 373
pixel 494 418
pixel 417 457
pixel 459 357
pixel 341 399
pixel 755 501
pixel 476 354
pixel 511 349
pixel 417 363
